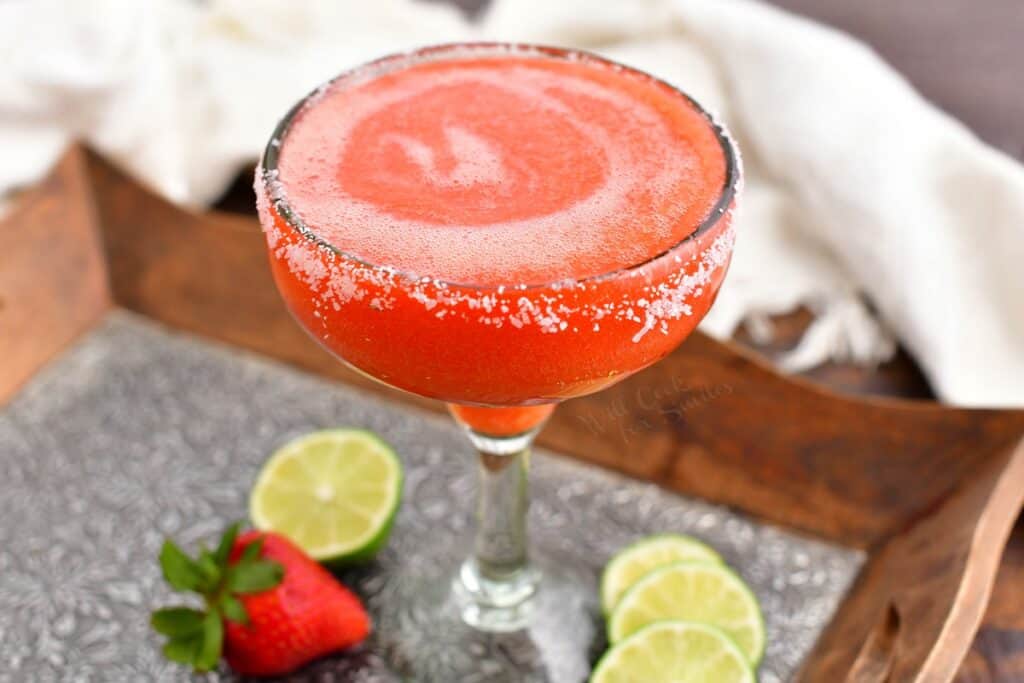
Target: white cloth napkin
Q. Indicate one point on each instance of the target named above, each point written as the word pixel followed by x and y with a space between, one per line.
pixel 857 189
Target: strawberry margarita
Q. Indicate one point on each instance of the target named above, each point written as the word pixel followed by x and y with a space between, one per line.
pixel 498 226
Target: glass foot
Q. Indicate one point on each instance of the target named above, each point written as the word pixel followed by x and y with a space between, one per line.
pixel 421 632
pixel 495 606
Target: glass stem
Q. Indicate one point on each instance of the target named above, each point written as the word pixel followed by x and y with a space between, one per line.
pixel 502 502
pixel 496 582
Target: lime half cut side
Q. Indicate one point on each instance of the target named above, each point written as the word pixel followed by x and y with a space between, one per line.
pixel 675 652
pixel 703 592
pixel 333 492
pixel 644 556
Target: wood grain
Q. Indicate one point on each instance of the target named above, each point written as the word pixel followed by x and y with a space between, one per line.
pixel 931 492
pixel 997 654
pixel 931 576
pixel 53 281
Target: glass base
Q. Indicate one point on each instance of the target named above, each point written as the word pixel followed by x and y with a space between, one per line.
pixel 495 605
pixel 421 631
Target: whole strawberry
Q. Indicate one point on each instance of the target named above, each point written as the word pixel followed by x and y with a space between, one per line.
pixel 269 607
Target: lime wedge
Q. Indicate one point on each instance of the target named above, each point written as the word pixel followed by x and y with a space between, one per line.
pixel 647 554
pixel 334 493
pixel 675 652
pixel 693 591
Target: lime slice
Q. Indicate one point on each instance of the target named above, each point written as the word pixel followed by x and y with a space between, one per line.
pixel 693 591
pixel 675 652
pixel 333 492
pixel 647 554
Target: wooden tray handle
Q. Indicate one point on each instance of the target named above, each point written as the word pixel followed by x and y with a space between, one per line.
pixel 874 662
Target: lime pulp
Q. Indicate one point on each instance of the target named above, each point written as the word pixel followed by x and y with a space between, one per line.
pixel 333 492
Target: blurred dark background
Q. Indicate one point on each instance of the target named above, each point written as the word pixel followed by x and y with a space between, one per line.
pixel 967 56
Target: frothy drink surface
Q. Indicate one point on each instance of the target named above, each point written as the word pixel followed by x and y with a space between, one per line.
pixel 490 170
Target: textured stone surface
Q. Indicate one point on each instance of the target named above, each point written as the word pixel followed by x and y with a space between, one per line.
pixel 136 434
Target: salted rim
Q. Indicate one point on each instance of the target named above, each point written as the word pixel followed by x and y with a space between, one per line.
pixel 268 170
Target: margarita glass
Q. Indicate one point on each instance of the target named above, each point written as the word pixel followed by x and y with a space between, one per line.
pixel 500 227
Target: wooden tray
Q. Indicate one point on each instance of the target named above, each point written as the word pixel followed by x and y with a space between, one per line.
pixel 930 492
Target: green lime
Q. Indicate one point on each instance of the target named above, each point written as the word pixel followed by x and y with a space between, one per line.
pixel 647 554
pixel 675 652
pixel 333 492
pixel 705 592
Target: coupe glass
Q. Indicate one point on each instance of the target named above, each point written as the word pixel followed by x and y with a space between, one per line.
pixel 440 339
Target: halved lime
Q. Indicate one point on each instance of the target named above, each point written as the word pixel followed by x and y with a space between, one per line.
pixel 334 493
pixel 675 652
pixel 705 592
pixel 647 554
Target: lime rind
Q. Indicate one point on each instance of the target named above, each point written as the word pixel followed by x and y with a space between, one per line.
pixel 675 547
pixel 340 551
pixel 729 652
pixel 674 611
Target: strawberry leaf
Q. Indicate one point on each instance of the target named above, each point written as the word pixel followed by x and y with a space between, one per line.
pixel 177 622
pixel 196 637
pixel 179 569
pixel 234 610
pixel 212 642
pixel 255 577
pixel 251 552
pixel 183 650
pixel 227 542
pixel 209 569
